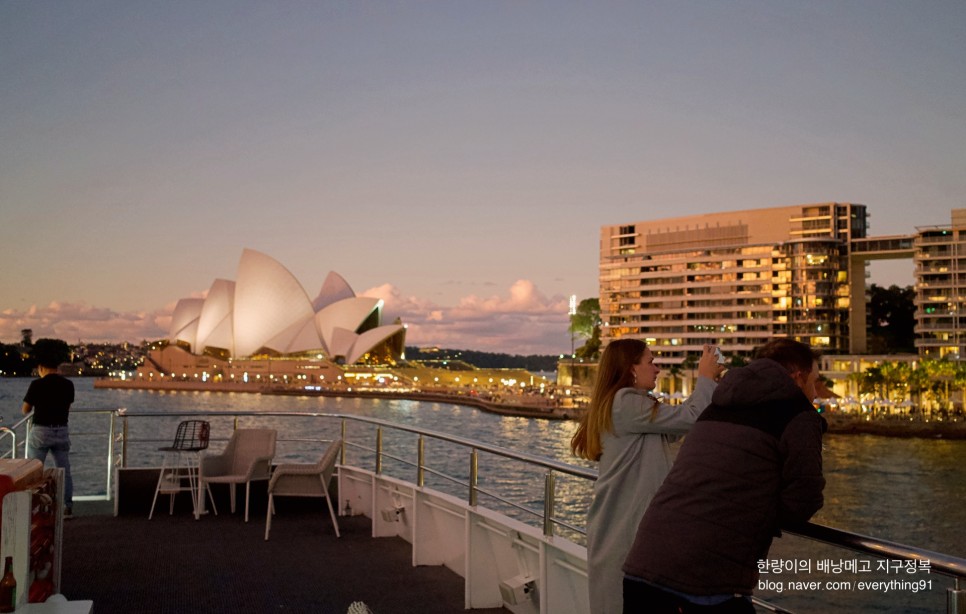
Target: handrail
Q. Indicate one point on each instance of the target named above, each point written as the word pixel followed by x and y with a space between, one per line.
pixel 944 564
pixel 26 424
pixel 11 432
pixel 12 435
pixel 549 521
pixel 540 461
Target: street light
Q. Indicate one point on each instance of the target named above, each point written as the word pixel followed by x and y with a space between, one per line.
pixel 572 312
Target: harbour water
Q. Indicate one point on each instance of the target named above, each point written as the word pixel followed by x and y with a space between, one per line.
pixel 910 491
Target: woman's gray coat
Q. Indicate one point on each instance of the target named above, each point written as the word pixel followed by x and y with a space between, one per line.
pixel 635 460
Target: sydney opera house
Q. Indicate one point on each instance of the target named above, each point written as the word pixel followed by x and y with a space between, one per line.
pixel 263 324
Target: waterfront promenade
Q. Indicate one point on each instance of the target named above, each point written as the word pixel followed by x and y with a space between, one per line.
pixel 522 405
pixel 536 406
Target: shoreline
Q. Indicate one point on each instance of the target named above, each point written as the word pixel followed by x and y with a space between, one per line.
pixel 852 425
pixel 837 424
pixel 503 409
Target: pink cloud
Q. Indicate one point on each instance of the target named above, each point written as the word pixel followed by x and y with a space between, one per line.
pixel 75 322
pixel 520 320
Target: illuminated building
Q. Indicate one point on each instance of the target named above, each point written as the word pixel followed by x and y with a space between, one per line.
pixel 265 313
pixel 940 257
pixel 737 279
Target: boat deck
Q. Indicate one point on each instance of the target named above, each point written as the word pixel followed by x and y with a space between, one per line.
pixel 175 564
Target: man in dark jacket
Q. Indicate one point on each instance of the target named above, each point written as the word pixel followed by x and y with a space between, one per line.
pixel 751 465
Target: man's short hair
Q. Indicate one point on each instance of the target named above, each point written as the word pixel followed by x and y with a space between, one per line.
pixel 791 354
pixel 50 353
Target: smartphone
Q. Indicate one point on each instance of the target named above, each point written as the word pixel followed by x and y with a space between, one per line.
pixel 719 356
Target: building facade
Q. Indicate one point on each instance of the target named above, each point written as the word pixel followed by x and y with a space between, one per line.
pixel 940 261
pixel 736 279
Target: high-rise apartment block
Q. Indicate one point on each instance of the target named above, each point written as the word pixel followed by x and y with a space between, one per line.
pixel 739 278
pixel 940 257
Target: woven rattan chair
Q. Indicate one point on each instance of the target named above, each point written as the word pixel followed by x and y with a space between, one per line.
pixel 247 457
pixel 294 480
pixel 181 462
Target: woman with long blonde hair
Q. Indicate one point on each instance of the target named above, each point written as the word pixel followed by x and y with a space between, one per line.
pixel 629 432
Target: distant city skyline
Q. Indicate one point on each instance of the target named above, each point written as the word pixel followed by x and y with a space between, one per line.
pixel 455 159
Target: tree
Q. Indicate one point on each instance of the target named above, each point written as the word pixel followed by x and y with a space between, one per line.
pixel 585 323
pixel 893 377
pixel 939 373
pixel 918 383
pixel 959 379
pixel 12 361
pixel 892 320
pixel 869 382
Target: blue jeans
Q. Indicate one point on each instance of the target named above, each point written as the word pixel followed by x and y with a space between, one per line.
pixel 55 439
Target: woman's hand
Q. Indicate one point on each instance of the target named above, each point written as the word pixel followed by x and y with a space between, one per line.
pixel 708 363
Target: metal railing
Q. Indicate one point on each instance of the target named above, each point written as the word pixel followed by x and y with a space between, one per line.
pixel 10 433
pixel 471 486
pixel 118 431
pixel 17 447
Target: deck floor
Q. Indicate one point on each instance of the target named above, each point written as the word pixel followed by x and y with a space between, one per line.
pixel 175 564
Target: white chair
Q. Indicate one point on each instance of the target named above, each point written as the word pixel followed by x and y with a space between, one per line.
pixel 304 480
pixel 247 457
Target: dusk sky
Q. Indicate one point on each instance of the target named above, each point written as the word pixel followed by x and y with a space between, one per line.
pixel 455 158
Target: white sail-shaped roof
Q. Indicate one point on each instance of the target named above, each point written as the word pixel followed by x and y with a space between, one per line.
pixel 342 341
pixel 347 313
pixel 370 339
pixel 335 288
pixel 215 322
pixel 301 336
pixel 307 339
pixel 184 321
pixel 221 338
pixel 268 300
pixel 266 307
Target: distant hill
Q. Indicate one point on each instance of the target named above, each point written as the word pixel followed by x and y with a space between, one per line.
pixel 486 360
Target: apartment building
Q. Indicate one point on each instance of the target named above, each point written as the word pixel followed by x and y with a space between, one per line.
pixel 736 279
pixel 940 261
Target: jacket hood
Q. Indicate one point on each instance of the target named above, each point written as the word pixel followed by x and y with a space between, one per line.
pixel 761 381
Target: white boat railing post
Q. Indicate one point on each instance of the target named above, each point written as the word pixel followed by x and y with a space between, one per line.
pixel 124 439
pixel 378 450
pixel 110 454
pixel 342 450
pixel 421 462
pixel 474 474
pixel 549 487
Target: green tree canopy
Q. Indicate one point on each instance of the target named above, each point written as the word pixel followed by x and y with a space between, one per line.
pixel 12 362
pixel 586 324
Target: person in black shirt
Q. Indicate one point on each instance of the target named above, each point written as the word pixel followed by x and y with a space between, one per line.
pixel 50 397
